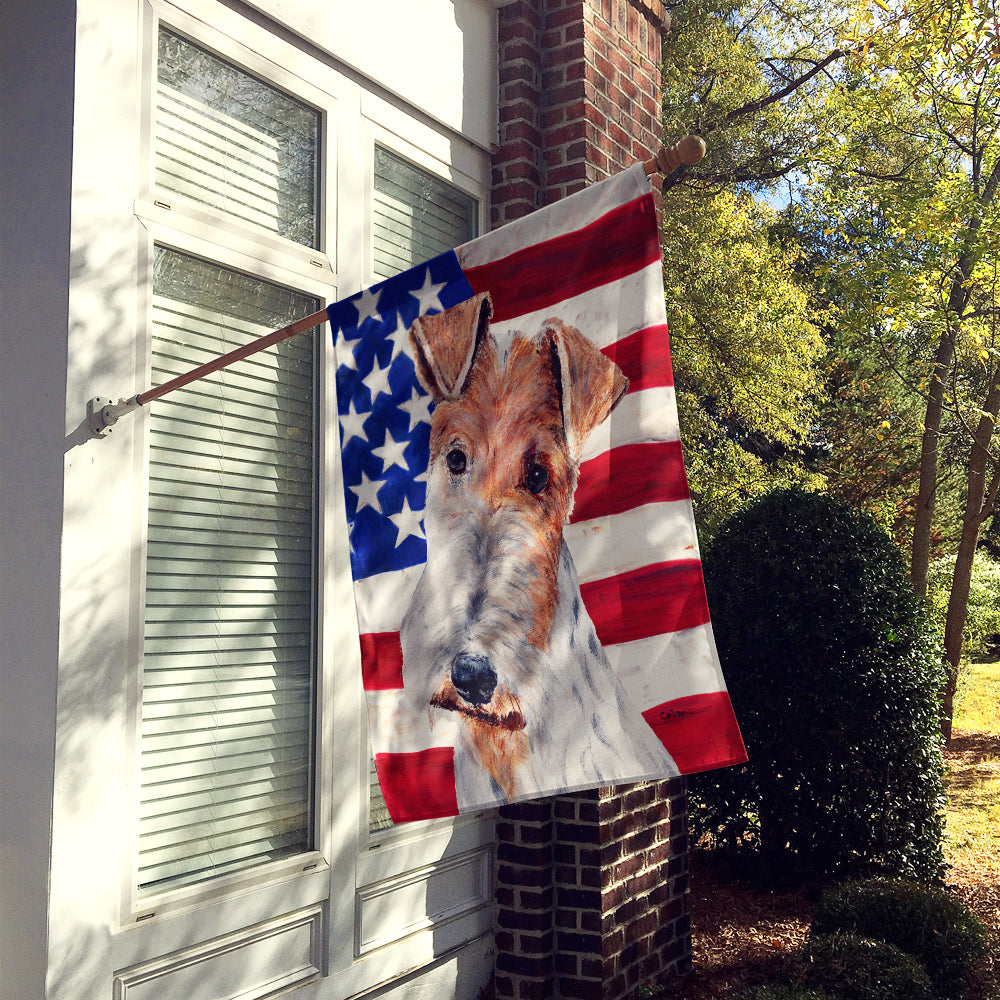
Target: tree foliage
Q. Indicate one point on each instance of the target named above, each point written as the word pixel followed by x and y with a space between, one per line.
pixel 747 77
pixel 912 195
pixel 747 351
pixel 982 620
pixel 746 355
pixel 877 126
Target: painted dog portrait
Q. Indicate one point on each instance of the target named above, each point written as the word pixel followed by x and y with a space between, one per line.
pixel 496 636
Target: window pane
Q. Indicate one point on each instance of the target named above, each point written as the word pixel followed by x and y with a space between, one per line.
pixel 228 665
pixel 226 139
pixel 416 216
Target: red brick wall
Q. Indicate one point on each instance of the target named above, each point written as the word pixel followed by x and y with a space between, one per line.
pixel 579 96
pixel 591 893
pixel 591 889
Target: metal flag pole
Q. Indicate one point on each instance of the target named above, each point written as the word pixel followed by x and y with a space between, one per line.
pixel 103 413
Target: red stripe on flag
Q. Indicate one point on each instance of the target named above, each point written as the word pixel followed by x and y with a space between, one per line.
pixel 655 599
pixel 700 732
pixel 381 661
pixel 627 477
pixel 418 785
pixel 644 356
pixel 621 242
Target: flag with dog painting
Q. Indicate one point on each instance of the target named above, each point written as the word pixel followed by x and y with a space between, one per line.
pixel 528 587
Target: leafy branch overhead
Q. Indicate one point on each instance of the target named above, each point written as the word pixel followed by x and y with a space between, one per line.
pixel 860 144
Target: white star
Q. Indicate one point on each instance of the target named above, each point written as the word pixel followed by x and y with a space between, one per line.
pixel 399 339
pixel 345 354
pixel 377 380
pixel 391 453
pixel 428 294
pixel 407 522
pixel 416 409
pixel 367 306
pixel 367 493
pixel 352 423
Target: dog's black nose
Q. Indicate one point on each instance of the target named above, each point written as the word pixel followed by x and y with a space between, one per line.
pixel 474 678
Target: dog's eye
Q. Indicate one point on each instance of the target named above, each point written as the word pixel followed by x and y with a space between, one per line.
pixel 456 461
pixel 536 478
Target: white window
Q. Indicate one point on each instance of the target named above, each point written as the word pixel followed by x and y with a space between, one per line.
pixel 415 216
pixel 233 142
pixel 275 184
pixel 229 673
pixel 228 686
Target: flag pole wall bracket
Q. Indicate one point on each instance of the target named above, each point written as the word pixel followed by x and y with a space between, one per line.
pixel 103 413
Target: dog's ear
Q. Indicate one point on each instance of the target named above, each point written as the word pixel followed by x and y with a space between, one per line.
pixel 590 384
pixel 445 344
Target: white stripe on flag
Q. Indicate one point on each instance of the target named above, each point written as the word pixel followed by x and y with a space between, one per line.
pixel 564 216
pixel 386 709
pixel 383 598
pixel 607 546
pixel 692 647
pixel 604 314
pixel 641 417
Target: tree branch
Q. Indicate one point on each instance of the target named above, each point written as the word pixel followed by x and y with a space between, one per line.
pixel 753 107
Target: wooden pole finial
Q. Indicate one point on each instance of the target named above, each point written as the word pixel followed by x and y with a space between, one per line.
pixel 668 158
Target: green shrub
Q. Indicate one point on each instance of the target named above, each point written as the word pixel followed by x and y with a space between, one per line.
pixel 856 968
pixel 926 922
pixel 833 673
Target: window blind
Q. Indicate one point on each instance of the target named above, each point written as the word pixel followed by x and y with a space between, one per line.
pixel 228 652
pixel 416 215
pixel 228 140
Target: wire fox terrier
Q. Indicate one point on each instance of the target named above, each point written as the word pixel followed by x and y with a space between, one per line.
pixel 497 631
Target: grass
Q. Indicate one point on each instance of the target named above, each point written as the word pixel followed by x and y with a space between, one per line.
pixel 978 698
pixel 973 808
pixel 973 782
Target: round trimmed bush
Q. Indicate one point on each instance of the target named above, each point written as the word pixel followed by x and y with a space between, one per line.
pixel 857 968
pixel 833 672
pixel 924 921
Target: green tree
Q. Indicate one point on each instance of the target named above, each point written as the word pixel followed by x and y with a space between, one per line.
pixel 912 187
pixel 747 356
pixel 747 76
pixel 880 123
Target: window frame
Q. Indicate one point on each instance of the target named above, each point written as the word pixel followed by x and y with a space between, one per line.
pixel 177 223
pixel 377 137
pixel 137 909
pixel 274 61
pixel 348 868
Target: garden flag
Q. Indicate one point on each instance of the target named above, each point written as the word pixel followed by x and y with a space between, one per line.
pixel 528 587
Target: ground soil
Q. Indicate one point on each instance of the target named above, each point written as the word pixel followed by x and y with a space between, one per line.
pixel 742 934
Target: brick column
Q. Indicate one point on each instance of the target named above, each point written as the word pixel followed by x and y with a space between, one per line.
pixel 591 889
pixel 621 882
pixel 579 96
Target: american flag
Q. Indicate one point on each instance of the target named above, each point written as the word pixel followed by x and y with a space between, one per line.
pixel 593 260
